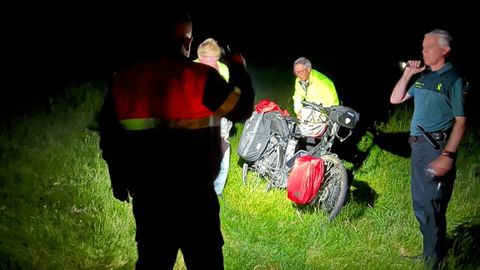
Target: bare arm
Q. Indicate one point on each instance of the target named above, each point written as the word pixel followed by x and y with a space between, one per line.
pixel 457 134
pixel 399 92
pixel 443 164
pixel 298 95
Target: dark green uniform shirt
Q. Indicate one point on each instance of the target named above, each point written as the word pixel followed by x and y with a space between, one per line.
pixel 438 98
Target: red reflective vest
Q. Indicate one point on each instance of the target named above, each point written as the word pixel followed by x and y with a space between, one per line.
pixel 167 93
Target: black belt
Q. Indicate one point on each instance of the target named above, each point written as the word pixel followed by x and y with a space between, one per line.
pixel 439 135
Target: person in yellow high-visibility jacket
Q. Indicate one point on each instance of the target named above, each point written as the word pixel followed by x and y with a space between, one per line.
pixel 311 85
pixel 209 53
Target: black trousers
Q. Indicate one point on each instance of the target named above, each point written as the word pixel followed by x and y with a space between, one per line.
pixel 191 223
pixel 430 198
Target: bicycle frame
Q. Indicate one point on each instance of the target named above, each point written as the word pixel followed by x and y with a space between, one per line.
pixel 278 159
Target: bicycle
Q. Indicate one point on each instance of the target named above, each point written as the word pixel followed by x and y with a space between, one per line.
pixel 277 160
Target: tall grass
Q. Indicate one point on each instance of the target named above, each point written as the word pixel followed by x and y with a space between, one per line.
pixel 56 207
pixel 57 211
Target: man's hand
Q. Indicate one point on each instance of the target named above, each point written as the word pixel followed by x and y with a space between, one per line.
pixel 441 166
pixel 414 67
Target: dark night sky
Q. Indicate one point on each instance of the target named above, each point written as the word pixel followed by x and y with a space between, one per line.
pixel 357 45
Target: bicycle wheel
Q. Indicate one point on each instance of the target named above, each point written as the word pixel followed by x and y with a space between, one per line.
pixel 333 191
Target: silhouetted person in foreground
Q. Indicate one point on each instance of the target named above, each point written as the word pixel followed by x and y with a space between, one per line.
pixel 160 136
pixel 439 112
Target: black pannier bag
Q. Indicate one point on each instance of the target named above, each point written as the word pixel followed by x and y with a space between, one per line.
pixel 255 136
pixel 278 124
pixel 344 116
pixel 257 132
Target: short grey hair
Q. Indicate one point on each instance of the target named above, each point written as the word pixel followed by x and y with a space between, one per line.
pixel 444 38
pixel 303 61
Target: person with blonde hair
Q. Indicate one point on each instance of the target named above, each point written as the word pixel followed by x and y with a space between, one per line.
pixel 209 53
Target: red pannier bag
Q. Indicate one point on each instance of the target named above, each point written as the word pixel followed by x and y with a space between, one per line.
pixel 305 179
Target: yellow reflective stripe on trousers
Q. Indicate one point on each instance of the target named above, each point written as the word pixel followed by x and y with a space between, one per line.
pixel 152 123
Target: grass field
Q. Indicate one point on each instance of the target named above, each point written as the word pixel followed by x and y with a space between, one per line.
pixel 57 210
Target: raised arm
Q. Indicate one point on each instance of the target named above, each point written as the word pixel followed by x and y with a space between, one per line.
pixel 399 92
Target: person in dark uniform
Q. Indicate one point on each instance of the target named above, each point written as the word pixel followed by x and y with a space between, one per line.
pixel 160 136
pixel 436 129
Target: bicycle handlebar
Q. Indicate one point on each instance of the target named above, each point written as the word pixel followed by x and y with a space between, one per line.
pixel 315 106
